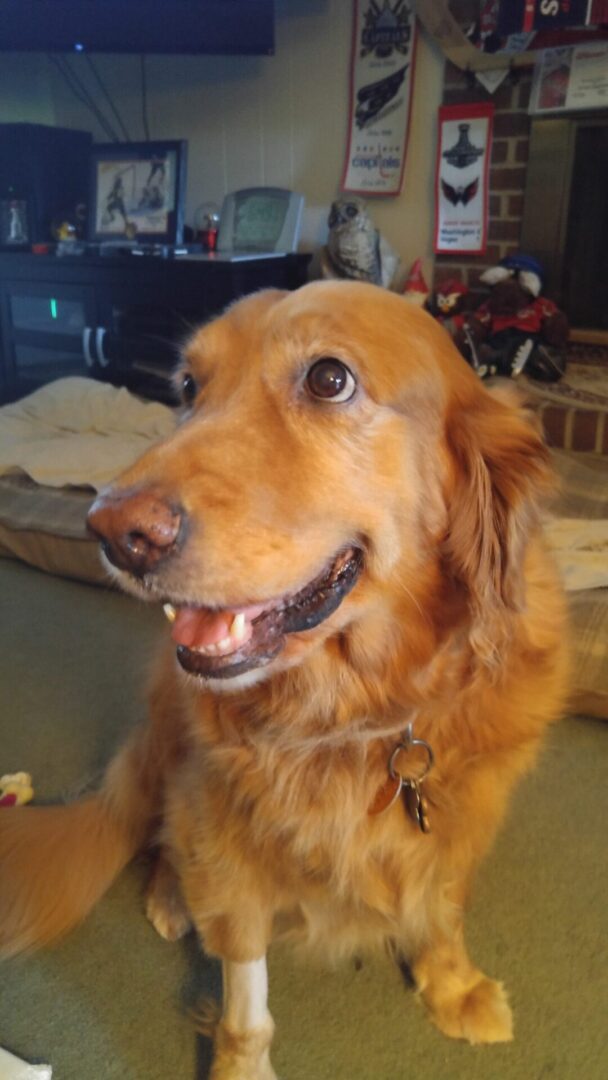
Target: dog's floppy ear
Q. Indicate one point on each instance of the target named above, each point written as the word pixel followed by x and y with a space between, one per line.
pixel 500 472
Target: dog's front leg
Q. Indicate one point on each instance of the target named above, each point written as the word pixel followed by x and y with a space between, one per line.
pixel 244 1032
pixel 463 1002
pixel 232 908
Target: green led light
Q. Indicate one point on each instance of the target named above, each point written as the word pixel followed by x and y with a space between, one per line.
pixel 53 309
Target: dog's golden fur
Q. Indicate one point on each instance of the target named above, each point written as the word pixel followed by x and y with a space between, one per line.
pixel 258 795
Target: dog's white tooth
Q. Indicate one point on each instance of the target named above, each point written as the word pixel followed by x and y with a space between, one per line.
pixel 225 645
pixel 237 626
pixel 170 612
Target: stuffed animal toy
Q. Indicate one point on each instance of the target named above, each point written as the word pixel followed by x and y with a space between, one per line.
pixel 516 330
pixel 16 789
pixel 447 304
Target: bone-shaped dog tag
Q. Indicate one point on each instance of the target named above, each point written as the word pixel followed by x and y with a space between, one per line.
pixel 416 805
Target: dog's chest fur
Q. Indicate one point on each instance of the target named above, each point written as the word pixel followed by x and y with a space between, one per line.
pixel 301 822
pixel 296 812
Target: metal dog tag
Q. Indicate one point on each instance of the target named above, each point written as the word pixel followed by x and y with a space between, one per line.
pixel 416 805
pixel 386 795
pixel 409 787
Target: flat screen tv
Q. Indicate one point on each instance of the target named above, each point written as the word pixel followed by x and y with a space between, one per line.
pixel 138 26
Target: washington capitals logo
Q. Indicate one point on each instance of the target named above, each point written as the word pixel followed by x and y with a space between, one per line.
pixel 372 98
pixel 386 28
pixel 462 153
pixel 460 194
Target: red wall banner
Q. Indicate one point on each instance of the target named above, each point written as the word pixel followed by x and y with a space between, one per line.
pixel 462 178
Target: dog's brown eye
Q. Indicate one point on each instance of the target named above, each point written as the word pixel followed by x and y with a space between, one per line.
pixel 331 380
pixel 188 389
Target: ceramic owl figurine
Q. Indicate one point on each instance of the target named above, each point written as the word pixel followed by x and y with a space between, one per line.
pixel 355 248
pixel 353 244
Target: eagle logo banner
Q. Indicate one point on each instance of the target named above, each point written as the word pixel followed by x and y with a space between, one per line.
pixel 462 178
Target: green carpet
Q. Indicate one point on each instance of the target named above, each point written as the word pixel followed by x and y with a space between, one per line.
pixel 110 1002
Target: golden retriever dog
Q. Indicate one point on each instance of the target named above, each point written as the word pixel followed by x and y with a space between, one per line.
pixel 367 646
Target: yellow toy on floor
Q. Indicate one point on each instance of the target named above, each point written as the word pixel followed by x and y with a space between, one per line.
pixel 16 789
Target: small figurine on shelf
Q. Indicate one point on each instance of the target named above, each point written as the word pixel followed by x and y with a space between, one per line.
pixel 516 329
pixel 355 248
pixel 207 225
pixel 415 288
pixel 447 304
pixel 68 229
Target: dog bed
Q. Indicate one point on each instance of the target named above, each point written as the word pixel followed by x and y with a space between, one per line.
pixel 45 527
pixel 77 431
pixel 57 448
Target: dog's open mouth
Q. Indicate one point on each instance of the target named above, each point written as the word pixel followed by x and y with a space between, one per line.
pixel 227 642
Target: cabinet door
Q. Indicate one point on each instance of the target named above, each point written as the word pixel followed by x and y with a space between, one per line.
pixel 140 331
pixel 47 331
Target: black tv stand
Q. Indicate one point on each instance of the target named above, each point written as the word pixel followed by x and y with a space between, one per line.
pixel 116 317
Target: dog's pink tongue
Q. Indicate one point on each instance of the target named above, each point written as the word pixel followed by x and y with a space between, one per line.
pixel 197 627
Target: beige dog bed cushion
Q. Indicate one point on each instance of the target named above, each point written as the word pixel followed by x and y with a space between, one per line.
pixel 57 448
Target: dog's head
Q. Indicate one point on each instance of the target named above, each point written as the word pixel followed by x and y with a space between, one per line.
pixel 336 459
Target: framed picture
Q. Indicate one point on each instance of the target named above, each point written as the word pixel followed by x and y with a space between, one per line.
pixel 137 192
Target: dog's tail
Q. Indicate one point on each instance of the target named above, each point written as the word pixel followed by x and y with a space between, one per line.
pixel 57 861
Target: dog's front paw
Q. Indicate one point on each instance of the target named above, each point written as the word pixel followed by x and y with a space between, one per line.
pixel 170 919
pixel 479 1013
pixel 165 906
pixel 226 1068
pixel 242 1056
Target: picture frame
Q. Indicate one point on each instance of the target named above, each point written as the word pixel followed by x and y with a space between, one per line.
pixel 137 192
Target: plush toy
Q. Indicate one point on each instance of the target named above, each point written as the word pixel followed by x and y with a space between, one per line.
pixel 16 789
pixel 516 329
pixel 447 304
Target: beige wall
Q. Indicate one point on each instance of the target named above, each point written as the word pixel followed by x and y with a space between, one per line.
pixel 273 120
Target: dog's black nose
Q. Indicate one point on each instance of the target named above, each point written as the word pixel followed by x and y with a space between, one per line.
pixel 137 528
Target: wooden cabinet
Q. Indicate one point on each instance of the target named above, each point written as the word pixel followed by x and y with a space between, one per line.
pixel 118 318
